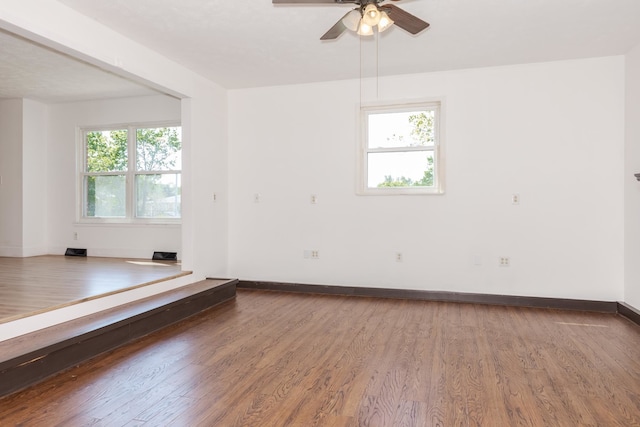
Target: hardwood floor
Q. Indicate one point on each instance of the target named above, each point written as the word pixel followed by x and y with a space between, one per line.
pixel 276 359
pixel 32 285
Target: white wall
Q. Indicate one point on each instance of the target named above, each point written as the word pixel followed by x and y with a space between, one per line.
pixel 84 38
pixel 553 132
pixel 34 178
pixel 11 173
pixel 100 240
pixel 23 209
pixel 632 186
pixel 206 171
pixel 204 133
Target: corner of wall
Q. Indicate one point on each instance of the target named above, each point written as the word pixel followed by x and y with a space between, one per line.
pixel 631 185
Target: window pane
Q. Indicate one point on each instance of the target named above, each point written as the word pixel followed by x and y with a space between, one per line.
pixel 158 196
pixel 106 151
pixel 105 196
pixel 402 129
pixel 159 149
pixel 403 169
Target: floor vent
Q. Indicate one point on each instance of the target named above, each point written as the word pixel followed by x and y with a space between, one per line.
pixel 75 252
pixel 165 256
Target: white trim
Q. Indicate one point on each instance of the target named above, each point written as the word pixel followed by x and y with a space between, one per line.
pixel 130 173
pixel 128 221
pixel 436 104
pixel 123 224
pixel 41 321
pixel 129 179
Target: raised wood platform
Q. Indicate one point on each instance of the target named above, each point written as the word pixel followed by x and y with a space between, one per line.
pixel 35 285
pixel 30 358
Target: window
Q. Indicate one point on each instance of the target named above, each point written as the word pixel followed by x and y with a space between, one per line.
pixel 400 151
pixel 131 173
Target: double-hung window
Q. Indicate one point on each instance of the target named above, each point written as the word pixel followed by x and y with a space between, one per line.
pixel 131 174
pixel 401 149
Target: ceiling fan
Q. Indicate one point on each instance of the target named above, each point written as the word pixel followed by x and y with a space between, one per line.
pixel 368 15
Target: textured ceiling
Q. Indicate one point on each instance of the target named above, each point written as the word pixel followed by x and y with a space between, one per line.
pixel 31 71
pixel 244 43
pixel 248 43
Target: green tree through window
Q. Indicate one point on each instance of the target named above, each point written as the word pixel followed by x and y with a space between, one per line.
pixel 151 178
pixel 105 191
pixel 426 181
pixel 158 194
pixel 422 134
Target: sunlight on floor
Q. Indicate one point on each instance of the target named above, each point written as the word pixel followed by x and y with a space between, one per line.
pixel 152 263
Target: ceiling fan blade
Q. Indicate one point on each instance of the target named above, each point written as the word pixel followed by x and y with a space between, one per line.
pixel 313 1
pixel 335 31
pixel 405 20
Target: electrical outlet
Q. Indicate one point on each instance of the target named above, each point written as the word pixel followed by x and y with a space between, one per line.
pixel 515 199
pixel 311 254
pixel 314 199
pixel 75 235
pixel 504 261
pixel 398 256
pixel 215 197
pixel 256 198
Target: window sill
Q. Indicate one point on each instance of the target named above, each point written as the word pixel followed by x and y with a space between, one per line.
pixel 127 224
pixel 399 191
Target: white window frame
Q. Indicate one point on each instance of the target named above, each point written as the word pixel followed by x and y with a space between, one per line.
pixel 130 174
pixel 438 152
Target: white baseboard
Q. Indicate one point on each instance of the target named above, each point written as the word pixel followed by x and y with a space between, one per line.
pixel 20 252
pixel 109 252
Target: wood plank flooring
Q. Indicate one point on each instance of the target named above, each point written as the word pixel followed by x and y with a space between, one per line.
pixel 277 359
pixel 32 285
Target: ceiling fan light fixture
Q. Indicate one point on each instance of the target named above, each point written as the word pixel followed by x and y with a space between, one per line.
pixel 371 15
pixel 365 29
pixel 352 20
pixel 367 15
pixel 385 22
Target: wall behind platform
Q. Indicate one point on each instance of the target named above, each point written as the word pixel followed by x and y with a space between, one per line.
pixel 23 136
pixel 11 173
pixel 122 240
pixel 552 132
pixel 632 186
pixel 34 174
